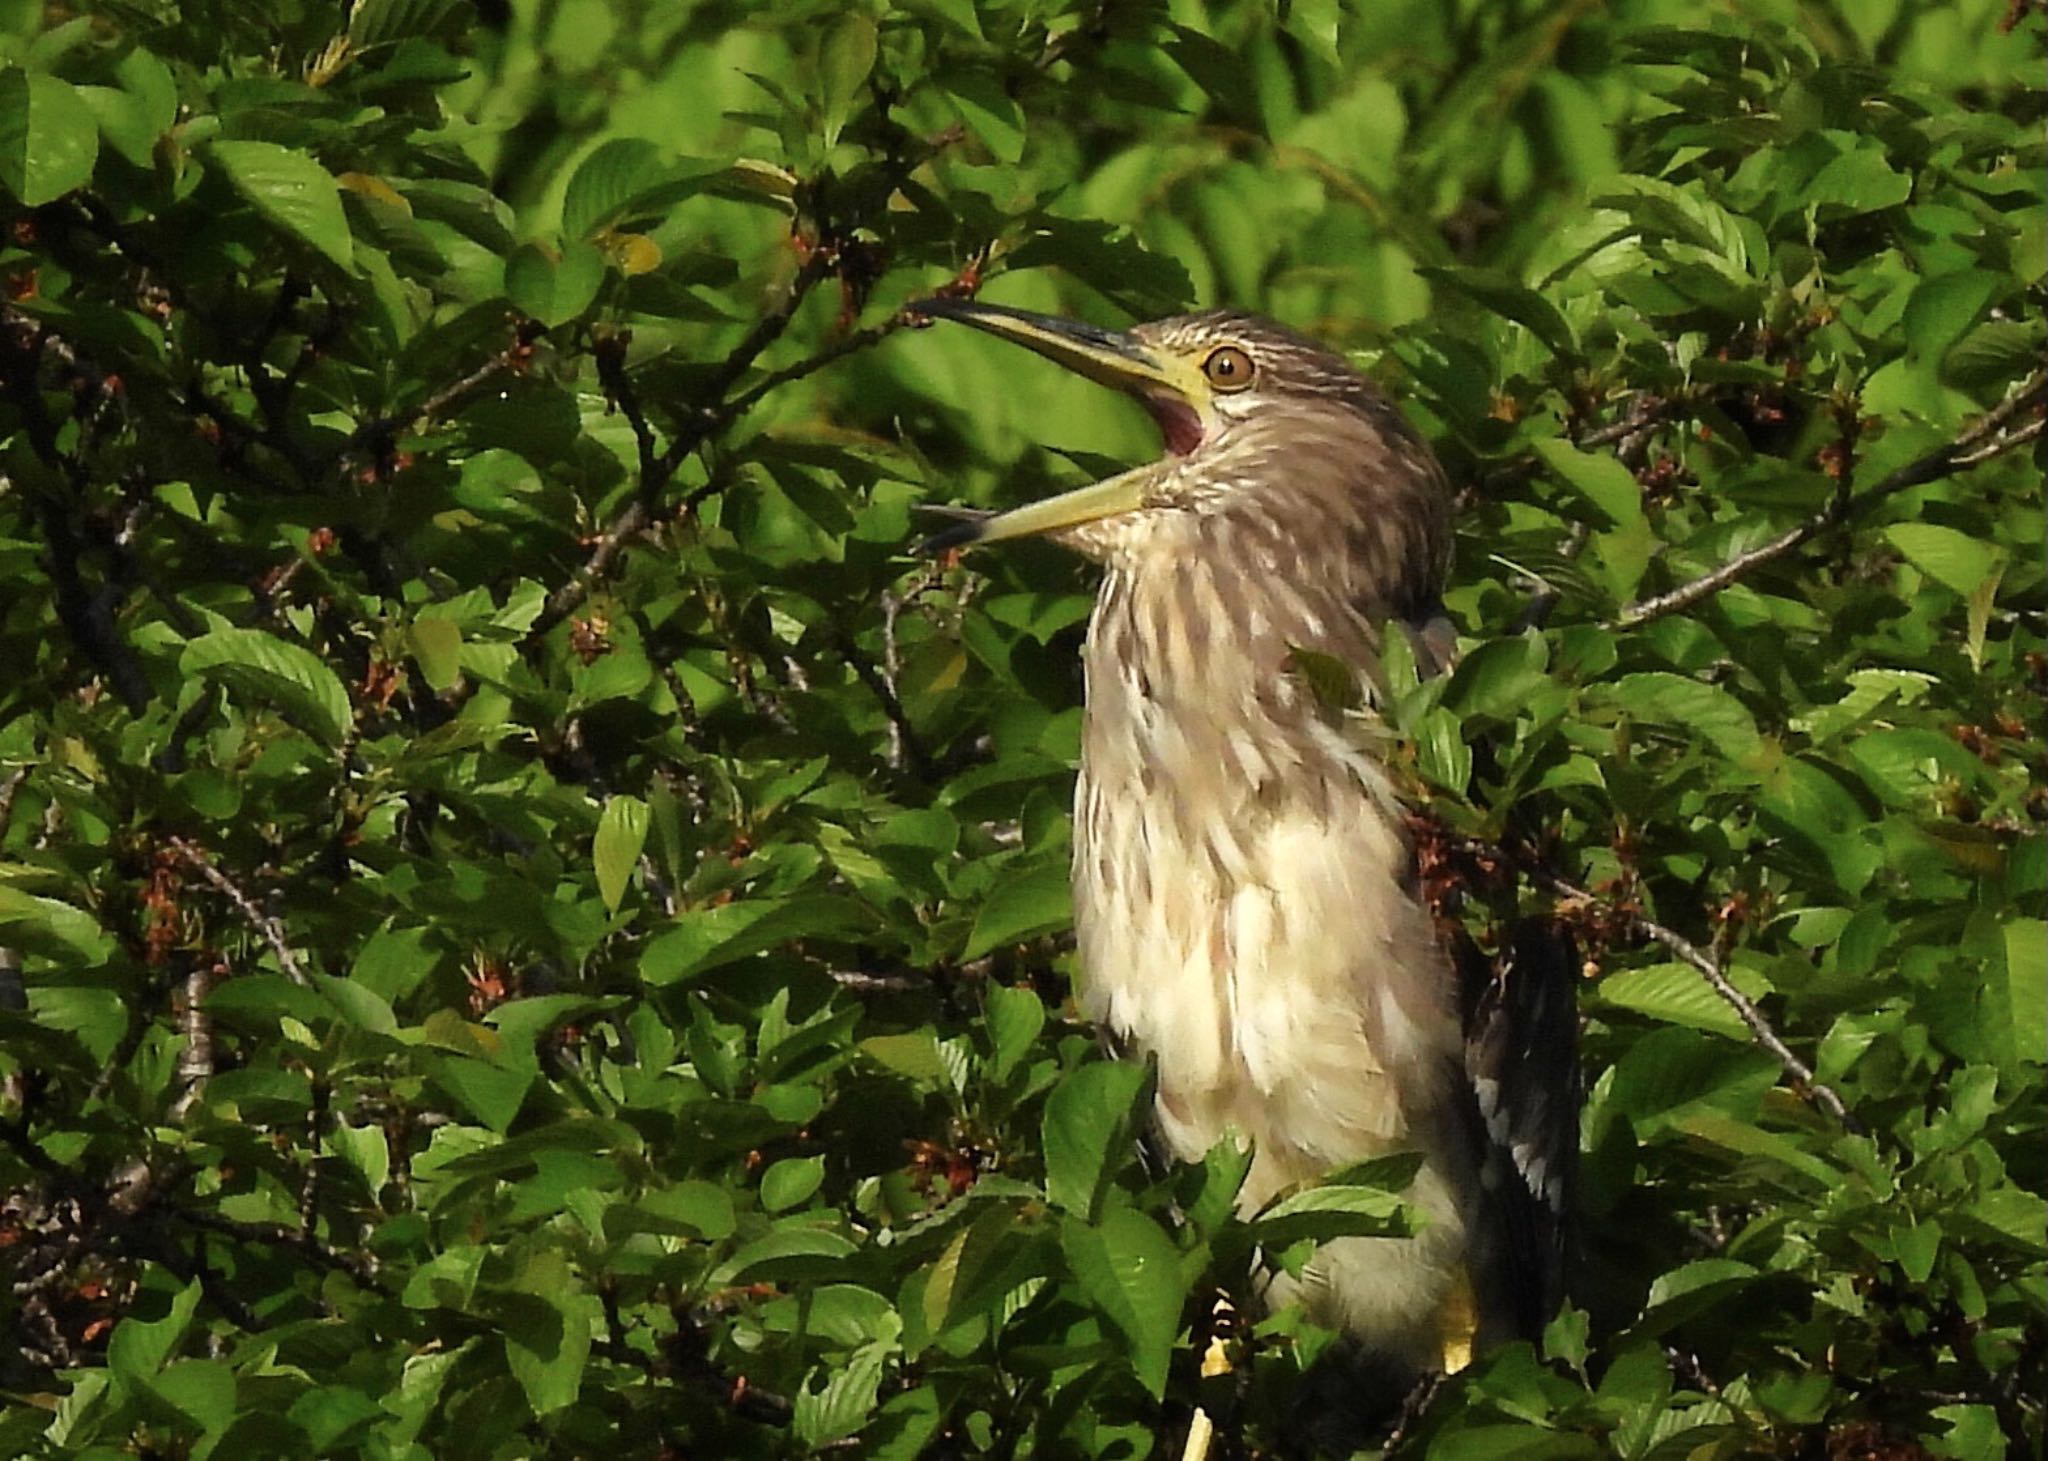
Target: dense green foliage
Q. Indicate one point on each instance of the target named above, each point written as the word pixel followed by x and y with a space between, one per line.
pixel 542 925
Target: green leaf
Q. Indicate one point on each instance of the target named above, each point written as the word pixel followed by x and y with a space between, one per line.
pixel 1015 1016
pixel 1511 301
pixel 2024 998
pixel 1129 1267
pixel 1693 1288
pixel 914 1054
pixel 1602 480
pixel 1706 711
pixel 1334 683
pixel 1952 559
pixel 984 1261
pixel 437 645
pixel 1089 1124
pixel 262 667
pixel 990 113
pixel 367 1150
pixel 842 1405
pixel 688 1209
pixel 1676 994
pixel 1038 900
pixel 554 289
pixel 52 927
pixel 788 1254
pixel 1337 1211
pixel 373 23
pixel 292 191
pixel 137 1349
pixel 1497 678
pixel 711 938
pixel 49 138
pixel 332 1414
pixel 547 1328
pixel 1316 24
pixel 615 851
pixel 1943 309
pixel 845 57
pixel 202 1391
pixel 490 1092
pixel 625 179
pixel 1857 181
pixel 960 14
pixel 791 1182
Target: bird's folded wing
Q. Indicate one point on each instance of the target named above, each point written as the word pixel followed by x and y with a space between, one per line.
pixel 1521 1058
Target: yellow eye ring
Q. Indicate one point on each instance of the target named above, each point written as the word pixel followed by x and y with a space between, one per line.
pixel 1228 368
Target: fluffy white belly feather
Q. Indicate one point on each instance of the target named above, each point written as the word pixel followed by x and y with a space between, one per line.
pixel 1295 998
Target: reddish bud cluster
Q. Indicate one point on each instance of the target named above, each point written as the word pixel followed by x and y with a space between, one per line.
pixel 959 1166
pixel 491 983
pixel 1662 475
pixel 590 638
pixel 382 681
pixel 164 921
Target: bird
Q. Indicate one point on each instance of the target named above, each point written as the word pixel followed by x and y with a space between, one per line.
pixel 1247 911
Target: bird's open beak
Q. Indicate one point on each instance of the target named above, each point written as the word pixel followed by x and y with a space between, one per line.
pixel 1173 390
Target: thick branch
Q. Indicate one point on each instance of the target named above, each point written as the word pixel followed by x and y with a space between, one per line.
pixel 1978 443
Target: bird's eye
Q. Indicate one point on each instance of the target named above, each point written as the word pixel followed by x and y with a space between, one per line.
pixel 1228 369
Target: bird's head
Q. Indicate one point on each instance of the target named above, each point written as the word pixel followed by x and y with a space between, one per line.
pixel 1228 391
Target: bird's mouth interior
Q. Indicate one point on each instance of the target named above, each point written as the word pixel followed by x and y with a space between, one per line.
pixel 1179 422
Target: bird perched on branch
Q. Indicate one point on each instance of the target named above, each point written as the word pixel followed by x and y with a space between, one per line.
pixel 1244 890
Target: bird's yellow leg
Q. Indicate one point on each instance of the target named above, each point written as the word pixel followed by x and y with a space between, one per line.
pixel 1458 1325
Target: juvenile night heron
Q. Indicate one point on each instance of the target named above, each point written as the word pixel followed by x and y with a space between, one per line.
pixel 1244 889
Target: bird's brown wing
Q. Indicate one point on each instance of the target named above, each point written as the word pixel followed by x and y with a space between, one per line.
pixel 1521 1060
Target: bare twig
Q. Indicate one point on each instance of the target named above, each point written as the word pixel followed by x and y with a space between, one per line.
pixel 904 741
pixel 1760 1029
pixel 839 349
pixel 377 434
pixel 271 930
pixel 657 470
pixel 1980 442
pixel 634 520
pixel 857 982
pixel 609 352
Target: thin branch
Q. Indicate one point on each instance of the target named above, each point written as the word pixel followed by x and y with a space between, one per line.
pixel 904 741
pixel 766 331
pixel 1760 1029
pixel 857 982
pixel 2003 444
pixel 14 1135
pixel 610 354
pixel 844 346
pixel 271 930
pixel 634 520
pixel 1980 442
pixel 436 405
pixel 658 469
pixel 274 1235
